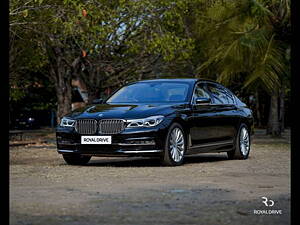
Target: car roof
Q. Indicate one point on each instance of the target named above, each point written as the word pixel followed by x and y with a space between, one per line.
pixel 188 80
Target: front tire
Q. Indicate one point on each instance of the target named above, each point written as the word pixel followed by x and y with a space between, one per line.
pixel 76 159
pixel 242 144
pixel 175 146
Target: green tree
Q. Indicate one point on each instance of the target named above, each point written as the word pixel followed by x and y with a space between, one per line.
pixel 34 25
pixel 104 42
pixel 108 43
pixel 122 40
pixel 242 41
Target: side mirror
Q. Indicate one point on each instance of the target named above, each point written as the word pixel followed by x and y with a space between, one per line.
pixel 202 101
pixel 97 101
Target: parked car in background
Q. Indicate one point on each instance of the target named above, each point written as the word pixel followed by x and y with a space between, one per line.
pixel 32 119
pixel 164 118
pixel 26 121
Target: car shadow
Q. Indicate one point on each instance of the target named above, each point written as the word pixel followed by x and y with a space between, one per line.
pixel 153 162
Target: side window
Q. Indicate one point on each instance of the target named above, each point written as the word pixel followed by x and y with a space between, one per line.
pixel 218 94
pixel 230 97
pixel 200 91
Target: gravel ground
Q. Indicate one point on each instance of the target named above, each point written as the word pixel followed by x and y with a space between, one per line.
pixel 208 189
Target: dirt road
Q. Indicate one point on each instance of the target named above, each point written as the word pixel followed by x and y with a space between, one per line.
pixel 208 189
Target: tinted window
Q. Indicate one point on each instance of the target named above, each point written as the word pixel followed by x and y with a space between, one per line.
pixel 230 97
pixel 151 92
pixel 219 95
pixel 200 91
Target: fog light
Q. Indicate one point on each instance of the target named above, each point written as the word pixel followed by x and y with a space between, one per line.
pixel 142 142
pixel 149 142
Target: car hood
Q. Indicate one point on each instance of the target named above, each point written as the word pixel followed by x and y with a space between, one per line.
pixel 125 111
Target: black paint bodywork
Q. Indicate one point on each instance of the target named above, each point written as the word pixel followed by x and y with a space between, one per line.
pixel 208 128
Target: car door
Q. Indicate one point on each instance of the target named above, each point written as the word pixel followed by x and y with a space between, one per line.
pixel 202 122
pixel 225 118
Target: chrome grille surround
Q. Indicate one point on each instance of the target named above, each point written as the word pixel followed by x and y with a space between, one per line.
pixel 86 126
pixel 111 126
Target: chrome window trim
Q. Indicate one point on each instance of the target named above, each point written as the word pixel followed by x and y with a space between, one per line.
pixel 205 82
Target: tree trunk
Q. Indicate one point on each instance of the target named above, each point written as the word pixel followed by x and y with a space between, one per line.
pixel 281 109
pixel 258 114
pixel 61 75
pixel 64 98
pixel 273 121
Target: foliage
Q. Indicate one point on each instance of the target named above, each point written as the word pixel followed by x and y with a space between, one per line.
pixel 243 44
pixel 123 39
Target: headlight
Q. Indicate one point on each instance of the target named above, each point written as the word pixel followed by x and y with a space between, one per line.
pixel 65 122
pixel 151 121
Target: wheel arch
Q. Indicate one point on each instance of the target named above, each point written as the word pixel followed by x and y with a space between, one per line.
pixel 249 123
pixel 183 122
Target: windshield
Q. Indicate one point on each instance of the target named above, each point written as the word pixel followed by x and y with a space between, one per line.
pixel 150 92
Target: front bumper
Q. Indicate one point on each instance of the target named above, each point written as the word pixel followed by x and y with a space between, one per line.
pixel 130 142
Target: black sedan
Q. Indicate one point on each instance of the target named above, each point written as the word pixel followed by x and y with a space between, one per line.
pixel 165 118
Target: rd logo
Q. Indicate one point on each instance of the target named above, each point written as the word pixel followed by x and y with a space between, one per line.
pixel 267 202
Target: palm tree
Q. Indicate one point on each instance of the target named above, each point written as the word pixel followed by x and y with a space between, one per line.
pixel 250 48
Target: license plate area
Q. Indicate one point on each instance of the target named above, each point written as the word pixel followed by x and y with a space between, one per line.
pixel 96 140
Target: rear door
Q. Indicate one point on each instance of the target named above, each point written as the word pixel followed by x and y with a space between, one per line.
pixel 225 116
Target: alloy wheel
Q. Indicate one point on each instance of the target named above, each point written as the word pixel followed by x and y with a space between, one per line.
pixel 244 141
pixel 176 145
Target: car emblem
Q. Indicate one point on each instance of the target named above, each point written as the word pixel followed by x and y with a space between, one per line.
pixel 100 114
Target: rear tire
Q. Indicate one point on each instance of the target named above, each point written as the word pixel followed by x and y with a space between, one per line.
pixel 76 159
pixel 242 144
pixel 175 146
